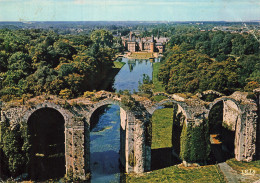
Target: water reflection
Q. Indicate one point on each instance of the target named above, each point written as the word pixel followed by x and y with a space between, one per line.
pixel 131 73
pixel 105 128
pixel 105 144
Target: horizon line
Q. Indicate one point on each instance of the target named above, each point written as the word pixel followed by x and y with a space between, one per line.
pixel 21 21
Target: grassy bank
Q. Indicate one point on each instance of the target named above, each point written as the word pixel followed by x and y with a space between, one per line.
pixel 158 86
pixel 118 65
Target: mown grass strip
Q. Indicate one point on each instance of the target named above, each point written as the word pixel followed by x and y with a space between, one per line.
pixel 162 128
pixel 158 86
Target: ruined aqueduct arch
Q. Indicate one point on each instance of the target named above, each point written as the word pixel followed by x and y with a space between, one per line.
pixel 137 153
pixel 231 118
pixel 77 137
pixel 181 106
pixel 58 108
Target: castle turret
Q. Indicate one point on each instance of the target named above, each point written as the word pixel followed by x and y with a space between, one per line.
pixel 130 36
pixel 141 47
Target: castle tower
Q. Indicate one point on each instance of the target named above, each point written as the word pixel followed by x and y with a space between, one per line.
pixel 152 45
pixel 141 46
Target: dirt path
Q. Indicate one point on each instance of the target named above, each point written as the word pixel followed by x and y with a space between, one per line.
pixel 233 177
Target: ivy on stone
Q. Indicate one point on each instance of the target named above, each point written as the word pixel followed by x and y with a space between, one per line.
pixel 195 142
pixel 14 148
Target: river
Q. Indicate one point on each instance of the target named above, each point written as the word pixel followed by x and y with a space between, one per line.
pixel 105 135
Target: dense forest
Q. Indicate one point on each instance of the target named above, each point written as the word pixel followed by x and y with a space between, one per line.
pixel 197 61
pixel 34 62
pixel 38 61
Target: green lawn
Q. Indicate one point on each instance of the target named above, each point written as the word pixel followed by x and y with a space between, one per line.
pixel 171 174
pixel 162 128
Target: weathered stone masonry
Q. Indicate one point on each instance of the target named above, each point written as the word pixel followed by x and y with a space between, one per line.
pixel 240 114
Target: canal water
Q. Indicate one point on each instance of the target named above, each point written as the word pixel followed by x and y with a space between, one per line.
pixel 105 134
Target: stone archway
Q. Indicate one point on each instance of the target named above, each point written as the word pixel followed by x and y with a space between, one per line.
pixel 168 156
pixel 231 124
pixel 182 107
pixel 107 142
pixel 133 150
pixel 46 128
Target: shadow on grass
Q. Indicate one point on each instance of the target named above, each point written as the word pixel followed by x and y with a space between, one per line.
pixel 162 158
pixel 219 154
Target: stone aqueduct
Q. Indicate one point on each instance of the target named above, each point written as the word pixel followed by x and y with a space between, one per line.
pixel 240 113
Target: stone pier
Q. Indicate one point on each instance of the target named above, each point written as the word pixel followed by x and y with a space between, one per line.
pixel 240 113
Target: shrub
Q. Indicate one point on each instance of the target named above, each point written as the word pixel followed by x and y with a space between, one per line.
pixel 66 93
pixel 195 142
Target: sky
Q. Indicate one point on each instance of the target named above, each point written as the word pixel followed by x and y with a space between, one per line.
pixel 129 10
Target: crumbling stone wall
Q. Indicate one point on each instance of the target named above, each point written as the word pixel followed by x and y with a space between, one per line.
pixel 240 113
pixel 123 121
pixel 230 114
pixel 257 94
pixel 75 148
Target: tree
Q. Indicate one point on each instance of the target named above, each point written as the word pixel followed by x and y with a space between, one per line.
pixel 64 49
pixel 190 71
pixel 102 38
pixel 237 45
pixel 3 61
